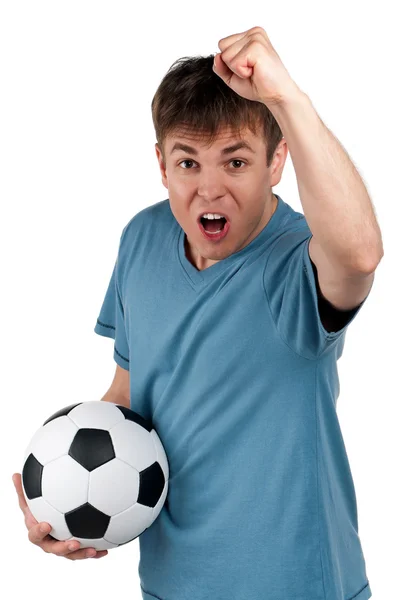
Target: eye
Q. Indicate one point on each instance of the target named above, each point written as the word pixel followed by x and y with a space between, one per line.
pixel 236 160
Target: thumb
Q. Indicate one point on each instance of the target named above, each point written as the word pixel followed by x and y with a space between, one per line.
pixel 221 68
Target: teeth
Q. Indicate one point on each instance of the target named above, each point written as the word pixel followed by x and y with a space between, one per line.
pixel 212 216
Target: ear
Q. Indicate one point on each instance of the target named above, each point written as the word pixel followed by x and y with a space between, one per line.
pixel 161 165
pixel 278 162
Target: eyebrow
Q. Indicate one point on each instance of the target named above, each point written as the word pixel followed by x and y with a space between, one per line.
pixel 227 150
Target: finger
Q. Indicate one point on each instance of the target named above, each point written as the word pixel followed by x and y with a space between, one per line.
pixel 86 553
pixel 67 548
pixel 221 68
pixel 101 553
pixel 37 533
pixel 81 554
pixel 226 42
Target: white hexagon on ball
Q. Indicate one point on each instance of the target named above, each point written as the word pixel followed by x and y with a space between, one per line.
pixel 52 440
pixel 65 484
pixel 104 416
pixel 129 524
pixel 133 443
pixel 113 487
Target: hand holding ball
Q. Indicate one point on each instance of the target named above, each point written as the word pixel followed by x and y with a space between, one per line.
pixel 97 472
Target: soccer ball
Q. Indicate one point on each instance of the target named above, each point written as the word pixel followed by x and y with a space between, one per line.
pixel 97 472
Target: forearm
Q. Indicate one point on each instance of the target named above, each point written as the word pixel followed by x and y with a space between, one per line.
pixel 335 202
pixel 112 396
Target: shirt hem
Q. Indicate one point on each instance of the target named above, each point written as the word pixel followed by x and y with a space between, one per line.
pixel 363 594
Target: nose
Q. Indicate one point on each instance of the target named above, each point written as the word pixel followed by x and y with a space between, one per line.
pixel 210 186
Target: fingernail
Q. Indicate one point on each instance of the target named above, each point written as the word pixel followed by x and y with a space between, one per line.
pixel 43 528
pixel 91 553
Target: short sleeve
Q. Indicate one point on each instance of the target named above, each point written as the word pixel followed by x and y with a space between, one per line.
pixel 111 322
pixel 290 286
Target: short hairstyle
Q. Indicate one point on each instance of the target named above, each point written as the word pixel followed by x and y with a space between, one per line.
pixel 193 98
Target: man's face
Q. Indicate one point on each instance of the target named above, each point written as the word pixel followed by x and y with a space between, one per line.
pixel 234 183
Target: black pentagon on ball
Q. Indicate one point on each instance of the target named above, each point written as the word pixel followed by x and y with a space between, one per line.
pixel 87 522
pixel 61 413
pixel 92 448
pixel 31 476
pixel 131 415
pixel 151 485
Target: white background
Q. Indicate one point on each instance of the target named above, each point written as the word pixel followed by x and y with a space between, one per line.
pixel 78 161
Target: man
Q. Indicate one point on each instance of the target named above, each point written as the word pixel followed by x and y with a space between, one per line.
pixel 229 311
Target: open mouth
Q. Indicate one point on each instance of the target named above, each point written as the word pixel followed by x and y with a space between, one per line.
pixel 214 229
pixel 213 225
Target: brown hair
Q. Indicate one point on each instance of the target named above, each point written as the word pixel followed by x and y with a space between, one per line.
pixel 192 97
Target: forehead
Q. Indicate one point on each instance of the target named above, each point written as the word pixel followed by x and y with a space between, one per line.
pixel 226 142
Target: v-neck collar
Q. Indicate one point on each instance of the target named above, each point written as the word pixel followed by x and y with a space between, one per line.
pixel 198 278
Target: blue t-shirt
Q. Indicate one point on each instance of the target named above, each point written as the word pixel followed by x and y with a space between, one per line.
pixel 237 373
